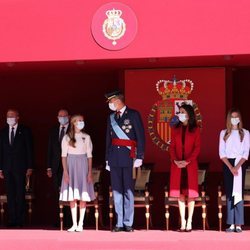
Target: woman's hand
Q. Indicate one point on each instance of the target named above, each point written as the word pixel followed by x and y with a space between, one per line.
pixel 66 177
pixel 180 164
pixel 185 163
pixel 234 171
pixel 89 178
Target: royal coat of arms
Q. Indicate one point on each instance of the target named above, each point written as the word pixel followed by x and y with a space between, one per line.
pixel 163 113
pixel 114 26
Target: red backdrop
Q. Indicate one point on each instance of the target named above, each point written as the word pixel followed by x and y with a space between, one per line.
pixel 208 93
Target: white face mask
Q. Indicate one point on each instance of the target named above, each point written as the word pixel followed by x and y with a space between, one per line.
pixel 112 106
pixel 235 121
pixel 63 120
pixel 80 125
pixel 182 117
pixel 11 121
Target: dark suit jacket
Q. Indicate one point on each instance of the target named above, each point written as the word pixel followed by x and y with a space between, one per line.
pixel 131 124
pixel 19 156
pixel 54 150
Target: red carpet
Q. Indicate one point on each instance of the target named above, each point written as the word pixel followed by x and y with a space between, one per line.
pixel 90 239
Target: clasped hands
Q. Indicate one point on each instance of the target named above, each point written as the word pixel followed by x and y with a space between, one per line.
pixel 181 164
pixel 234 170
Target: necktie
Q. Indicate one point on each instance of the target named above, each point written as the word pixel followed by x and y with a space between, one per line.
pixel 62 133
pixel 118 115
pixel 12 135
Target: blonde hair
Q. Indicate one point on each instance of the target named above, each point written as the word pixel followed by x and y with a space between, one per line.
pixel 71 132
pixel 229 125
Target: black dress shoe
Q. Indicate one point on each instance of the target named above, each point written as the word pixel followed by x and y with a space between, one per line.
pixel 117 229
pixel 128 229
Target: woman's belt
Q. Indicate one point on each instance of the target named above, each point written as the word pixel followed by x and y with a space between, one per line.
pixel 126 143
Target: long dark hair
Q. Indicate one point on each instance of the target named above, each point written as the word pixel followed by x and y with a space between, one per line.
pixel 192 123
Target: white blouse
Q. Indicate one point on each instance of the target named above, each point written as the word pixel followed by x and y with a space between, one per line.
pixel 233 147
pixel 83 145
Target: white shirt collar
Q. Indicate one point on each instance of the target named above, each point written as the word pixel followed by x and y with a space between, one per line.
pixel 122 110
pixel 65 126
pixel 15 127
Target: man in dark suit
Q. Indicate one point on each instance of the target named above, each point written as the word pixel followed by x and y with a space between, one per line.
pixel 125 142
pixel 55 169
pixel 16 161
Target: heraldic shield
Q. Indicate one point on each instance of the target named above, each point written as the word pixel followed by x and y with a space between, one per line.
pixel 163 114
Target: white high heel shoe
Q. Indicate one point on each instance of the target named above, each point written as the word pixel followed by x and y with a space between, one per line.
pixel 79 228
pixel 72 229
pixel 189 226
pixel 183 226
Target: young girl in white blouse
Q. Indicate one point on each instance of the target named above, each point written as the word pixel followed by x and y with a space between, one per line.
pixel 77 184
pixel 234 151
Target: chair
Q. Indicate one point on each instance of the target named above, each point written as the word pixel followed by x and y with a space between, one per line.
pixel 29 198
pixel 201 201
pixel 97 203
pixel 142 197
pixel 222 197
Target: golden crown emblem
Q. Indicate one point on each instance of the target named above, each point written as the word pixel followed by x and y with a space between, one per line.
pixel 175 88
pixel 113 13
pixel 114 26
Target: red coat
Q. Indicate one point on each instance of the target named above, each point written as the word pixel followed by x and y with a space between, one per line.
pixel 191 152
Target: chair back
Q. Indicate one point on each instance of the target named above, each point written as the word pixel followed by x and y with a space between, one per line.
pixel 201 176
pixel 247 180
pixel 96 174
pixel 142 179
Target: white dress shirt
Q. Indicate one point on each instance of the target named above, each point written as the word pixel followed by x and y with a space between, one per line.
pixel 233 147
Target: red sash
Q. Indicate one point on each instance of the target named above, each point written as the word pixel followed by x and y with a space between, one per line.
pixel 126 143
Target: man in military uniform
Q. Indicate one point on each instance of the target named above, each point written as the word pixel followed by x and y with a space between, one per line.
pixel 125 142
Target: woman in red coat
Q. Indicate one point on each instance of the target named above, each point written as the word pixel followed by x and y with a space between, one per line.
pixel 184 150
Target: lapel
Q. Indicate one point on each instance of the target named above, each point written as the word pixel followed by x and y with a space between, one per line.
pixel 18 133
pixel 56 134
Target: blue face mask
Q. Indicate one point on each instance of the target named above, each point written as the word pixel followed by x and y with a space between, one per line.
pixel 80 125
pixel 63 120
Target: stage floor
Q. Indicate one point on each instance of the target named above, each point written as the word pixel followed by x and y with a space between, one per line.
pixel 23 239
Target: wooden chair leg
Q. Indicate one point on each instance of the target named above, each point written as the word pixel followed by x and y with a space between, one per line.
pixel 220 208
pixel 2 212
pixel 204 216
pixel 61 217
pixel 204 209
pixel 167 214
pixel 147 214
pixel 96 216
pixel 30 211
pixel 111 202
